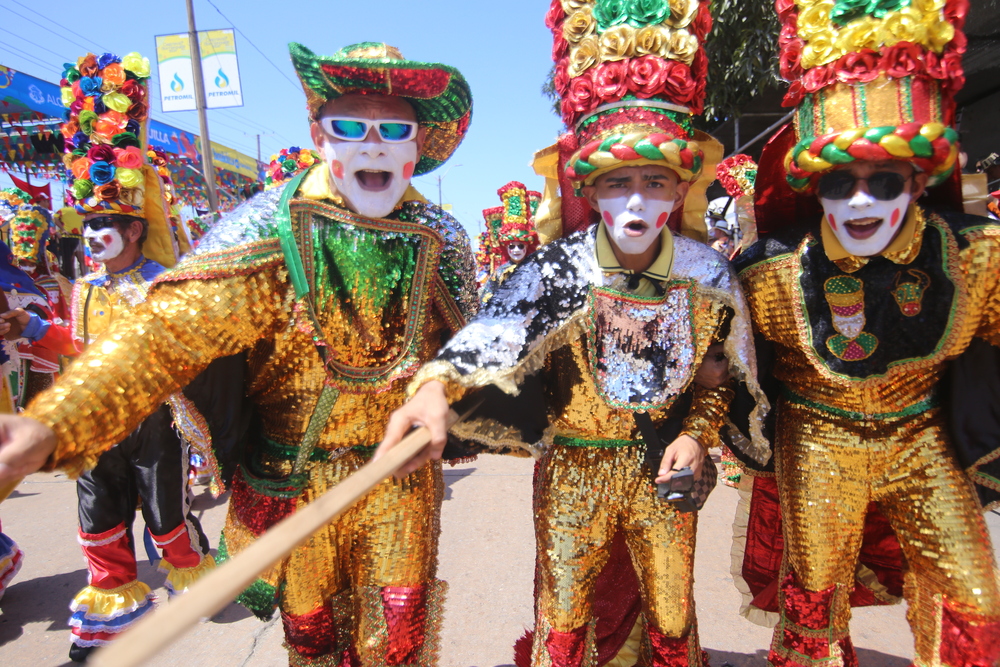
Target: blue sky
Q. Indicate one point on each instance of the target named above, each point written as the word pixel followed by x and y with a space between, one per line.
pixel 503 49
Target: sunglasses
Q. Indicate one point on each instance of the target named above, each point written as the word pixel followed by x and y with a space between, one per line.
pixel 99 223
pixel 356 129
pixel 882 185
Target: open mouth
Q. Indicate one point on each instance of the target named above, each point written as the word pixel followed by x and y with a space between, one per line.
pixel 863 228
pixel 373 180
pixel 635 228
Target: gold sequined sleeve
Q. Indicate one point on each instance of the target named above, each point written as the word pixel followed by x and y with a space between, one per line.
pixel 154 351
pixel 709 408
pixel 982 262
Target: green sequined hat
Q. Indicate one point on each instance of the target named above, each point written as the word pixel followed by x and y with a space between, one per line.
pixel 439 94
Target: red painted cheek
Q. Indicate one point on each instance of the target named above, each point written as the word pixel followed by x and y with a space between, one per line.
pixel 338 168
pixel 106 239
pixel 608 220
pixel 662 220
pixel 833 221
pixel 408 170
pixel 895 217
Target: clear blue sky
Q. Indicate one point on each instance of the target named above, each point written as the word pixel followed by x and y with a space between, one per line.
pixel 503 49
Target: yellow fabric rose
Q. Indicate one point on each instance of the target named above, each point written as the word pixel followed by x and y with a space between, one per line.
pixel 940 34
pixel 116 101
pixel 132 197
pixel 815 20
pixel 928 6
pixel 136 64
pixel 583 56
pixel 682 12
pixel 66 93
pixel 129 178
pixel 819 51
pixel 651 40
pixel 683 46
pixel 904 26
pixel 578 25
pixel 861 34
pixel 618 43
pixel 570 6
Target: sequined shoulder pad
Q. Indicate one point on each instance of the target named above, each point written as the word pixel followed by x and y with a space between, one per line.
pixel 771 246
pixel 965 226
pixel 696 261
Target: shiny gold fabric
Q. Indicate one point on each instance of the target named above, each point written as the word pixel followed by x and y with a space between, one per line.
pixel 582 495
pixel 175 334
pixel 829 470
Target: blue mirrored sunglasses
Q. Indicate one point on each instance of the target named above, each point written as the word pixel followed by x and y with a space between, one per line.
pixel 356 129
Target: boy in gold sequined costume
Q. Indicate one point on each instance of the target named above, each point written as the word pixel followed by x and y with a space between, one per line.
pixel 604 324
pixel 336 287
pixel 865 305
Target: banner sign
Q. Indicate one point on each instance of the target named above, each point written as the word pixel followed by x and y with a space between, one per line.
pixel 20 92
pixel 219 65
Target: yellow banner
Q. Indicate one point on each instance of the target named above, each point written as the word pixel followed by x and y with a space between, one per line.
pixel 216 42
pixel 169 47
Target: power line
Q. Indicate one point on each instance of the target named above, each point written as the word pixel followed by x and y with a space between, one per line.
pixel 279 70
pixel 48 29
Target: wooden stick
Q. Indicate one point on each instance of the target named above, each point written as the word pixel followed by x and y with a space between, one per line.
pixel 9 489
pixel 221 586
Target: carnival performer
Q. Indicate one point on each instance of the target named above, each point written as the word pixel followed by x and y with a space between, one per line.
pixel 509 237
pixel 374 277
pixel 31 228
pixel 866 294
pixel 613 320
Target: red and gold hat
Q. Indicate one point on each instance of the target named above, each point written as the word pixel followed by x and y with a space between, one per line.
pixel 513 221
pixel 104 139
pixel 872 80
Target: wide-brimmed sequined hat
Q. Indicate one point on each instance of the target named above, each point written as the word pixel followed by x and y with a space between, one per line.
pixel 439 94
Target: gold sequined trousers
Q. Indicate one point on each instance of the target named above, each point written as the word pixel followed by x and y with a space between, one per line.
pixel 830 467
pixel 582 496
pixel 374 567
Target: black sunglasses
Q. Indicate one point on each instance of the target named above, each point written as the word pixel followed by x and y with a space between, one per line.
pixel 98 223
pixel 882 185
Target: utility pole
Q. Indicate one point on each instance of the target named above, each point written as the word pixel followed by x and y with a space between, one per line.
pixel 207 163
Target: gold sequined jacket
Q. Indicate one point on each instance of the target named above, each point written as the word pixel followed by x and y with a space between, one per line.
pixel 603 352
pixel 872 336
pixel 384 294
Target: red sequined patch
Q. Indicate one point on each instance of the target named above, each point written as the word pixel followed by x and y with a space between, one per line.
pixel 311 635
pixel 406 619
pixel 668 651
pixel 255 510
pixel 566 648
pixel 969 641
pixel 419 83
pixel 810 609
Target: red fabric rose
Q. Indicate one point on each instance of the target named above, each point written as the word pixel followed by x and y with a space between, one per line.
pixel 959 42
pixel 783 8
pixel 611 80
pixel 788 33
pixel 646 75
pixel 946 66
pixel 699 66
pixel 955 11
pixel 561 78
pixel 858 67
pixel 697 102
pixel 101 153
pixel 554 16
pixel 817 78
pixel 133 90
pixel 789 61
pixel 138 111
pixel 679 85
pixel 796 92
pixel 581 95
pixel 902 60
pixel 560 48
pixel 702 22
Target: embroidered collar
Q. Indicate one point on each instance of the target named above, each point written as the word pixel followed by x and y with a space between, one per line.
pixel 657 272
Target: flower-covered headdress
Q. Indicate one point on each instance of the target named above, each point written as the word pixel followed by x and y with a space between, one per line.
pixel 288 163
pixel 631 73
pixel 30 229
pixel 439 94
pixel 513 221
pixel 104 135
pixel 738 175
pixel 872 80
pixel 11 199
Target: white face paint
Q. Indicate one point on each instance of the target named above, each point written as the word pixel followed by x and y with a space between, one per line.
pixel 634 221
pixel 371 176
pixel 516 251
pixel 105 243
pixel 865 226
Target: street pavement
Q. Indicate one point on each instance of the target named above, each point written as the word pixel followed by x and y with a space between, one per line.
pixel 487 557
